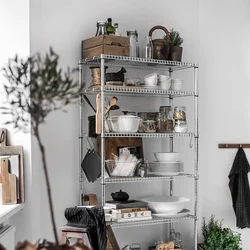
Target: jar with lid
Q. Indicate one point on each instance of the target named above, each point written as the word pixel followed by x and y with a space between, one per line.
pixel 101 28
pixel 180 119
pixel 165 120
pixel 133 43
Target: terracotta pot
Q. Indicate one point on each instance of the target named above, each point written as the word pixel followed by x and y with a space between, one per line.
pixel 175 53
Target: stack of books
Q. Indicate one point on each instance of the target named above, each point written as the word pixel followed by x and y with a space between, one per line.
pixel 129 211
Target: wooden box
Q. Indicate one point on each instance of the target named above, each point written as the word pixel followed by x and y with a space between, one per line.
pixel 106 44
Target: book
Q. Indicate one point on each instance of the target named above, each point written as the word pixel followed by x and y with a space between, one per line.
pixel 133 219
pixel 127 204
pixel 131 215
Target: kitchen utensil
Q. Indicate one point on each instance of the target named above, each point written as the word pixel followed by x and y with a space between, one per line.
pixel 120 196
pixel 112 104
pixel 125 123
pixel 89 103
pixel 167 157
pixel 91 165
pixel 13 161
pixel 116 77
pixel 151 80
pixel 98 114
pixel 166 204
pixel 9 186
pixel 101 28
pixel 160 46
pixel 13 150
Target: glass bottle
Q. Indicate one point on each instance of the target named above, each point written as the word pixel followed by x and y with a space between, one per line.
pixel 101 28
pixel 110 27
pixel 148 47
pixel 117 32
pixel 133 43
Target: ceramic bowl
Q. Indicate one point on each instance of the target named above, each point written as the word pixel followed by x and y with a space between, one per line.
pixel 167 157
pixel 165 204
pixel 176 84
pixel 151 80
pixel 125 123
pixel 163 78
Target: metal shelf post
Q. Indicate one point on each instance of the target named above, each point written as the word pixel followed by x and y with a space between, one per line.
pixel 103 131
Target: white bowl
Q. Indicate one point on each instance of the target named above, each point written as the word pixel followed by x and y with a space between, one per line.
pixel 125 123
pixel 163 78
pixel 176 84
pixel 151 80
pixel 165 204
pixel 167 157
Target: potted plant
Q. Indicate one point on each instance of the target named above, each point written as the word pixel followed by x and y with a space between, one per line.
pixel 216 237
pixel 35 87
pixel 175 52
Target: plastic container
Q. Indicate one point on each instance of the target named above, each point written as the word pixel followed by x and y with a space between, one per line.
pixel 124 123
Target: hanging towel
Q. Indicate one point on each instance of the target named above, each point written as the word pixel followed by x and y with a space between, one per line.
pixel 91 218
pixel 240 191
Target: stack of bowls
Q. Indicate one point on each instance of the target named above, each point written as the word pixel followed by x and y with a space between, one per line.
pixel 166 164
pixel 176 84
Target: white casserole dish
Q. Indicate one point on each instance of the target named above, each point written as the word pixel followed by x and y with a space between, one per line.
pixel 125 123
pixel 165 204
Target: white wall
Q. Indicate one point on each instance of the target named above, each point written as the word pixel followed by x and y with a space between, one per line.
pixel 224 101
pixel 14 32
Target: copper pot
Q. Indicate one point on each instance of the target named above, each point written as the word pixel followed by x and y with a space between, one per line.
pixel 160 46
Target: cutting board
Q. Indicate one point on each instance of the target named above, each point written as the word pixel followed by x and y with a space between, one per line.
pixel 13 150
pixel 9 188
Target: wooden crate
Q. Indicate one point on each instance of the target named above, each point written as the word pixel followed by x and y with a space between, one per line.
pixel 106 44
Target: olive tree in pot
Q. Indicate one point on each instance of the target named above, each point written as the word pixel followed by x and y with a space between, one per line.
pixel 35 87
pixel 216 237
pixel 175 52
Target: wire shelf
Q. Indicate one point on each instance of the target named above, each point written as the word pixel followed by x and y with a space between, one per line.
pixel 154 221
pixel 135 62
pixel 148 179
pixel 139 91
pixel 149 135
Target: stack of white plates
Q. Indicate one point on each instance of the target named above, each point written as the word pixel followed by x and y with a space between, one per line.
pixel 165 168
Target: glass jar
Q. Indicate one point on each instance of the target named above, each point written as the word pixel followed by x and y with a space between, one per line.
pixel 148 47
pixel 180 120
pixel 133 43
pixel 165 120
pixel 180 113
pixel 101 28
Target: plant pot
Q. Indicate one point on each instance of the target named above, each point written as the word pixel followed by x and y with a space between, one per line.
pixel 175 53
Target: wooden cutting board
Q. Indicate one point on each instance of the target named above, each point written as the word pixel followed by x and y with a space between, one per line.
pixel 13 150
pixel 9 190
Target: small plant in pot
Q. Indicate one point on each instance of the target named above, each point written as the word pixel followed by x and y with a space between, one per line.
pixel 36 87
pixel 216 237
pixel 175 52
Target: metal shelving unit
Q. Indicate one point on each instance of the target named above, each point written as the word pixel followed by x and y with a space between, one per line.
pixel 141 63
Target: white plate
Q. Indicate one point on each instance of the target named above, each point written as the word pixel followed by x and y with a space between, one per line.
pixel 164 173
pixel 181 213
